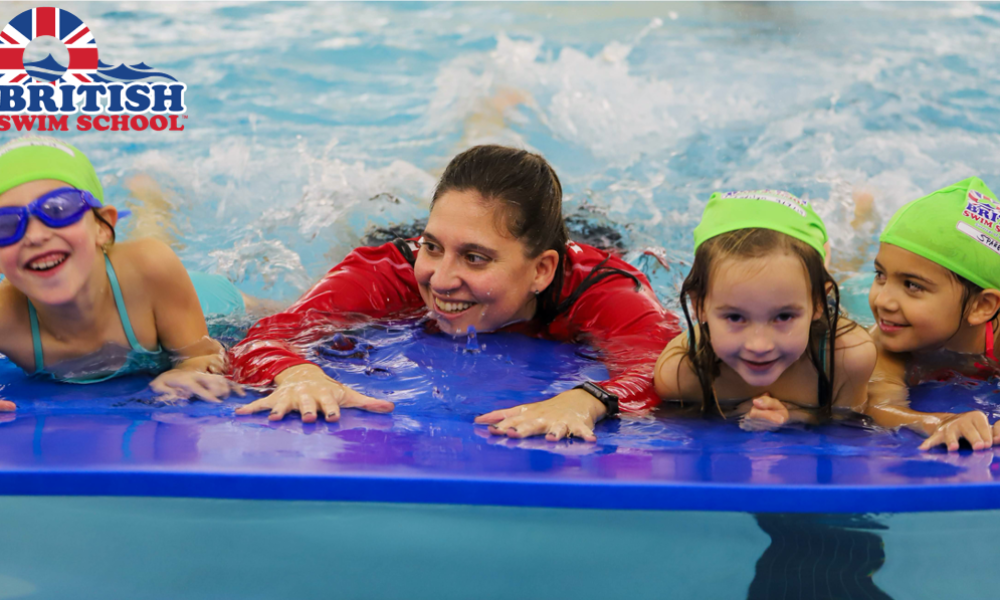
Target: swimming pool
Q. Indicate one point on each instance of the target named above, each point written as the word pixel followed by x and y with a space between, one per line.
pixel 309 124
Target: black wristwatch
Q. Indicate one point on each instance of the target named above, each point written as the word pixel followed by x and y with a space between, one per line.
pixel 609 400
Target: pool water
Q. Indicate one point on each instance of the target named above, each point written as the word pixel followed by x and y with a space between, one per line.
pixel 311 125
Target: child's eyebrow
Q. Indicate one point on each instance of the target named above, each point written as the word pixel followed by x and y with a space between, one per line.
pixel 789 307
pixel 906 275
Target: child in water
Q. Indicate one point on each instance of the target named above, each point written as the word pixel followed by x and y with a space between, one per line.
pixel 77 307
pixel 768 344
pixel 936 299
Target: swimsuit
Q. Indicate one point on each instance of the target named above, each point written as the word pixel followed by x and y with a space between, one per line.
pixel 216 294
pixel 990 341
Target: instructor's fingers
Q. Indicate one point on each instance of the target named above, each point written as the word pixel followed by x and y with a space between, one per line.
pixel 256 406
pixel 307 408
pixel 557 431
pixel 353 399
pixel 328 404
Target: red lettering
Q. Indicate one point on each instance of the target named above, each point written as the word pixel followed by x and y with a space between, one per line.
pixel 98 120
pixel 173 124
pixel 58 124
pixel 158 123
pixel 140 123
pixel 22 122
pixel 83 123
pixel 4 123
pixel 119 123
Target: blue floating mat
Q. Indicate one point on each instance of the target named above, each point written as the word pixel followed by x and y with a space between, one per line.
pixel 115 439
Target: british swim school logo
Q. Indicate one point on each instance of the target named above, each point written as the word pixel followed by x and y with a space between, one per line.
pixel 41 95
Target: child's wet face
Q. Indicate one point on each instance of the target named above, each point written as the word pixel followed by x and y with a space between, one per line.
pixel 49 265
pixel 759 312
pixel 917 303
pixel 470 272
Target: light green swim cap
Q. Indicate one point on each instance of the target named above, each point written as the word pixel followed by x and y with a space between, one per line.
pixel 958 227
pixel 32 158
pixel 763 209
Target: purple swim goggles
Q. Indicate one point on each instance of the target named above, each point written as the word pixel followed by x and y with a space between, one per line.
pixel 58 208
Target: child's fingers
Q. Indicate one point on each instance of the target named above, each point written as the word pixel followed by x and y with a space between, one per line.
pixel 934 439
pixel 951 439
pixel 767 403
pixel 996 432
pixel 981 426
pixel 7 406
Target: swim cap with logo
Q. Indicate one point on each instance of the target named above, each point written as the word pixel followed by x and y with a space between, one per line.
pixel 37 157
pixel 763 209
pixel 958 227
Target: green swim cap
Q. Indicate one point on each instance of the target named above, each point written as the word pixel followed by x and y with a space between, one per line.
pixel 37 157
pixel 764 209
pixel 957 227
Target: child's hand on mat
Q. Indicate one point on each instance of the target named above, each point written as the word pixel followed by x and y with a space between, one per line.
pixel 766 414
pixel 571 413
pixel 307 390
pixel 973 426
pixel 7 406
pixel 181 384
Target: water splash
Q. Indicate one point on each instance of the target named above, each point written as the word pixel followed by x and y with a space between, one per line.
pixel 472 343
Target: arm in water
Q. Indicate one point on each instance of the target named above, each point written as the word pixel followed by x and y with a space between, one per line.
pixel 200 361
pixel 889 406
pixel 369 283
pixel 629 328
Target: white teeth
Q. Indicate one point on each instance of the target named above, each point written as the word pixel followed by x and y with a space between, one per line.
pixel 47 263
pixel 452 307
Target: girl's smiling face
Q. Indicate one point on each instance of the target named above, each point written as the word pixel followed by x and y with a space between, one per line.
pixel 471 272
pixel 51 265
pixel 917 303
pixel 759 312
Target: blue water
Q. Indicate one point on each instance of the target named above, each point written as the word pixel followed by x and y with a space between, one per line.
pixel 311 123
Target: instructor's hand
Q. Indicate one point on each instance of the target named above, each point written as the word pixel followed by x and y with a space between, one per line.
pixel 571 413
pixel 307 390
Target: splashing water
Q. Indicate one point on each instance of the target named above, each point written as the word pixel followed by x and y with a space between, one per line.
pixel 471 343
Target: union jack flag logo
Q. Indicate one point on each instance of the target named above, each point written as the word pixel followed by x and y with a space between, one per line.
pixel 47 21
pixel 979 197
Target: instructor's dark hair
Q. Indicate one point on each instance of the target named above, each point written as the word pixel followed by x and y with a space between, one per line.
pixel 528 197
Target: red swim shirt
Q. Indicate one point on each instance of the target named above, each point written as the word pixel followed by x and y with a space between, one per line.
pixel 611 306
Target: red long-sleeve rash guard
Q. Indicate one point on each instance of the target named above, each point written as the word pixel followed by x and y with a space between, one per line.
pixel 627 325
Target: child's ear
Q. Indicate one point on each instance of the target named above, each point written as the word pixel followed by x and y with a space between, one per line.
pixel 984 307
pixel 110 215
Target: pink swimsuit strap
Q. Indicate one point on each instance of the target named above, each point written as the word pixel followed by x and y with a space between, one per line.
pixel 989 341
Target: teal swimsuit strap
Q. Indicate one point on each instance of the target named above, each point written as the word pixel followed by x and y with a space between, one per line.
pixel 116 290
pixel 36 337
pixel 120 303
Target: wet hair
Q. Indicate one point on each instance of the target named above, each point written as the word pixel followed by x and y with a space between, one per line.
pixel 527 195
pixel 755 243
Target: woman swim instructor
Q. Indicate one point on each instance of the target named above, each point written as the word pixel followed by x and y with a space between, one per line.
pixel 495 255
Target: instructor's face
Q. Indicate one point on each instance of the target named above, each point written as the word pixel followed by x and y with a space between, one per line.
pixel 472 272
